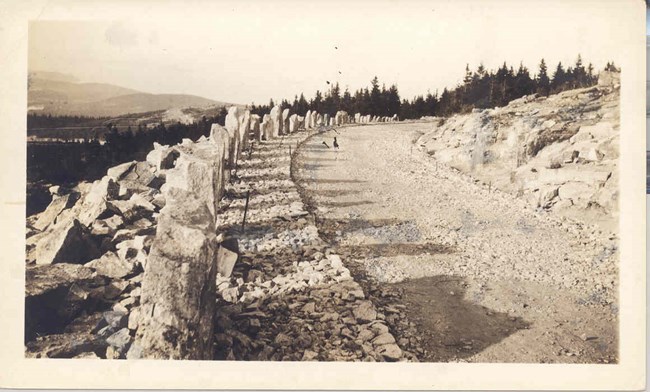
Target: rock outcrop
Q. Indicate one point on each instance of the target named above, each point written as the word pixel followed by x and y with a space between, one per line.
pixel 558 152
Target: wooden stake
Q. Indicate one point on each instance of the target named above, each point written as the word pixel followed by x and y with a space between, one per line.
pixel 243 224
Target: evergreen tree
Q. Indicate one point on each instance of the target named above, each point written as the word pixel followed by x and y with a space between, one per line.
pixel 317 102
pixel 302 106
pixel 392 101
pixel 346 102
pixel 579 74
pixel 375 97
pixel 559 78
pixel 543 82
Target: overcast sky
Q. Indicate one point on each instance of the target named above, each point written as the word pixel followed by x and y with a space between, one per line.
pixel 257 50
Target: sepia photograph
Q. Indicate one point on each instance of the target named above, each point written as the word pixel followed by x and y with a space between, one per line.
pixel 421 182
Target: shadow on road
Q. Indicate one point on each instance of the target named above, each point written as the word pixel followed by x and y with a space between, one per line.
pixel 327 160
pixel 341 204
pixel 330 181
pixel 453 328
pixel 336 192
pixel 390 250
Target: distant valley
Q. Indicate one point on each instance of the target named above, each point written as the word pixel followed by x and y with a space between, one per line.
pixel 60 94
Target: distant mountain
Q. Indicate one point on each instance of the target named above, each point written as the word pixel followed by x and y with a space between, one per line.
pixel 59 94
pixel 55 76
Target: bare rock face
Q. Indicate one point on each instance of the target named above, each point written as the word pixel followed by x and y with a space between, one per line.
pixel 285 121
pixel 54 295
pixel 390 352
pixel 276 120
pixel 65 242
pixel 365 312
pixel 266 128
pixel 609 80
pixel 233 122
pixel 219 136
pixel 558 152
pixel 341 117
pixel 58 204
pixel 162 157
pixel 93 204
pixel 198 171
pixel 293 123
pixel 255 127
pixel 244 129
pixel 112 266
pixel 227 256
pixel 119 171
pixel 78 345
pixel 308 124
pixel 107 227
pixel 178 289
pixel 136 177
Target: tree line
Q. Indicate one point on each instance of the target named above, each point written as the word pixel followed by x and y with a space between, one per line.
pixel 375 100
pixel 35 120
pixel 71 162
pixel 139 140
pixel 481 88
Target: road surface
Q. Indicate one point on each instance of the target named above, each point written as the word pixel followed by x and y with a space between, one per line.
pixel 483 277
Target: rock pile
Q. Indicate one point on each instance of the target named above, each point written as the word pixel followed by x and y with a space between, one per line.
pixel 141 263
pixel 85 266
pixel 290 297
pixel 145 234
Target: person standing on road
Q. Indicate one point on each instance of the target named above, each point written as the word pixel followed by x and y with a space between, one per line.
pixel 336 144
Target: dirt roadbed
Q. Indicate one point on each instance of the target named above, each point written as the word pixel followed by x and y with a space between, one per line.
pixel 464 272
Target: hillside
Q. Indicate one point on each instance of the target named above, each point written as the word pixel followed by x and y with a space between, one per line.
pixel 59 94
pixel 558 153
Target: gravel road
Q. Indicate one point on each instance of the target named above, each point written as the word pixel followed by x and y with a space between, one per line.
pixel 483 276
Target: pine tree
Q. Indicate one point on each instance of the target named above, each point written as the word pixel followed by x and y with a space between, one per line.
pixel 393 101
pixel 559 78
pixel 579 74
pixel 375 97
pixel 317 102
pixel 590 74
pixel 346 101
pixel 543 82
